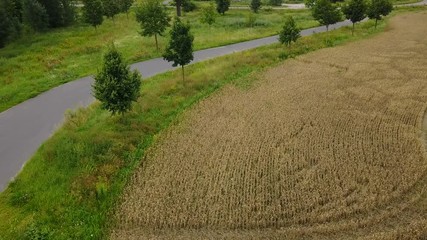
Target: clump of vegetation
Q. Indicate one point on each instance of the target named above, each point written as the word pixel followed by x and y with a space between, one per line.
pixel 34 15
pixel 208 15
pixel 61 13
pixel 251 20
pixel 38 15
pixel 180 47
pixel 153 18
pixel 355 11
pixel 290 32
pixel 222 6
pixel 188 6
pixel 255 5
pixel 377 9
pixel 115 86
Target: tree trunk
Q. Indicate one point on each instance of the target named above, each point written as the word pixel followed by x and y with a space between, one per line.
pixel 352 30
pixel 183 81
pixel 157 44
pixel 327 28
pixel 376 21
pixel 178 7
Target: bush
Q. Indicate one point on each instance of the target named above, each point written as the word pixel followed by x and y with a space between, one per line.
pixel 222 6
pixel 255 5
pixel 208 15
pixel 188 6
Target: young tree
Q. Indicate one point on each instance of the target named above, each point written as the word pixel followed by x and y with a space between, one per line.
pixel 208 15
pixel 34 15
pixel 93 12
pixel 222 6
pixel 290 32
pixel 355 11
pixel 255 5
pixel 116 87
pixel 125 6
pixel 379 8
pixel 180 47
pixel 326 13
pixel 153 17
pixel 111 8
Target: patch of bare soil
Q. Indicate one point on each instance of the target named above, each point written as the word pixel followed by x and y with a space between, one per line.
pixel 326 146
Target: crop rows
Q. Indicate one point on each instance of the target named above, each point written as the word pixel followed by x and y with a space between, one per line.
pixel 329 142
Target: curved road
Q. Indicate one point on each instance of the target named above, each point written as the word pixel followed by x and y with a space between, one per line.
pixel 24 127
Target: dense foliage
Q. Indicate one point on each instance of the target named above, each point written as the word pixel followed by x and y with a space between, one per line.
pixel 255 5
pixel 208 15
pixel 37 15
pixel 222 6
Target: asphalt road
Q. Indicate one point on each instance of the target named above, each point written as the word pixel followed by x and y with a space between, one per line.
pixel 24 127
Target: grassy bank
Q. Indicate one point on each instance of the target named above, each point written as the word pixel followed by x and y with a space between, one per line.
pixel 39 62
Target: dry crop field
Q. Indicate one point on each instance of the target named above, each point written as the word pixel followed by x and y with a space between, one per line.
pixel 326 146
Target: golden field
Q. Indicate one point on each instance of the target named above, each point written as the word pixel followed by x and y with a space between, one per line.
pixel 329 145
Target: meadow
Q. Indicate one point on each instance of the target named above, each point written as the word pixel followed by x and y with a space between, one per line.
pixel 328 145
pixel 39 62
pixel 71 186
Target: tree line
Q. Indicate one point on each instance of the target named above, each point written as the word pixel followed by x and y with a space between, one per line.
pixel 327 13
pixel 37 15
pixel 18 16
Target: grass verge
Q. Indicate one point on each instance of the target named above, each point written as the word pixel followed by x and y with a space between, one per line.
pixel 39 62
pixel 70 186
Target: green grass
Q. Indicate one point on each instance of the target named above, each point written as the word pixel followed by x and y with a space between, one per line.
pixel 39 62
pixel 70 187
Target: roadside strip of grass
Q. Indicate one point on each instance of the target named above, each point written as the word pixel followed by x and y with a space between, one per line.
pixel 36 63
pixel 69 189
